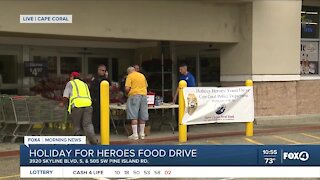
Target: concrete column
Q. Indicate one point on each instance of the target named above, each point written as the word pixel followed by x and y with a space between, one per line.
pixel 269 43
pixel 236 58
pixel 276 39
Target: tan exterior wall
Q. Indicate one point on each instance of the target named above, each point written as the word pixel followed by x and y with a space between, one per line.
pixel 308 97
pixel 275 98
pixel 269 42
pixel 287 98
pixel 205 21
pixel 237 58
pixel 276 37
pixel 292 98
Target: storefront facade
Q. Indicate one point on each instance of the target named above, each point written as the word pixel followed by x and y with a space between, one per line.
pixel 223 43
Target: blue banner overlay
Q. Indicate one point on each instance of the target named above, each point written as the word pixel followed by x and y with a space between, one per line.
pixel 170 155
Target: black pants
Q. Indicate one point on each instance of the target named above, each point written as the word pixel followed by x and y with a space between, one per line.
pixel 96 116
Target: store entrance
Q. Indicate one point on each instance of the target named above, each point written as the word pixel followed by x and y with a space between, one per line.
pixel 203 61
pixel 61 61
pixel 159 61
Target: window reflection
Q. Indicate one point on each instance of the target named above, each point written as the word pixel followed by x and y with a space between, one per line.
pixel 70 64
pixel 9 68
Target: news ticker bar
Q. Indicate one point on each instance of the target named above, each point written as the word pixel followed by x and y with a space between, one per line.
pixel 169 155
pixel 169 172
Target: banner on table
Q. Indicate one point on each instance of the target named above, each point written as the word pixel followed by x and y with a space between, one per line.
pixel 218 105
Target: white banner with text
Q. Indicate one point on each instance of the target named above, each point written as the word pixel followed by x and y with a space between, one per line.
pixel 218 105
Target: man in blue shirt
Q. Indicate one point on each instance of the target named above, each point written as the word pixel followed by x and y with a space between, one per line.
pixel 191 82
pixel 187 76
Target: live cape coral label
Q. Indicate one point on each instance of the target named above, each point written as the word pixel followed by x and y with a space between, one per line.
pixel 45 19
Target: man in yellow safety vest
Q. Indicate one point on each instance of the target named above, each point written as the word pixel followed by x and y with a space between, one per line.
pixel 80 110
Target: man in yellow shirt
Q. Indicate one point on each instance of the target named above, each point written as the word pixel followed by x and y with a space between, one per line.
pixel 137 105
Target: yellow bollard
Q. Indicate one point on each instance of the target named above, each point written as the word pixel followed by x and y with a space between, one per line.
pixel 249 129
pixel 182 127
pixel 249 125
pixel 104 113
pixel 249 82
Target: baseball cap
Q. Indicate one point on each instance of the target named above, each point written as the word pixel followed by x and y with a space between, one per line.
pixel 75 74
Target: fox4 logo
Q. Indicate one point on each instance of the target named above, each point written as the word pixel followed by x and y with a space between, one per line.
pixel 301 156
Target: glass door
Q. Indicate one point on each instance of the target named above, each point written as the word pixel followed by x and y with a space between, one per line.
pixel 8 73
pixel 95 61
pixel 70 63
pixel 51 61
pixel 209 66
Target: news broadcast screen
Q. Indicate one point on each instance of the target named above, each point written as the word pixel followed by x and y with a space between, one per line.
pixel 159 89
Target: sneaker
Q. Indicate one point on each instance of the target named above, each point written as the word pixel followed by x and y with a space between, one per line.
pixel 142 136
pixel 133 137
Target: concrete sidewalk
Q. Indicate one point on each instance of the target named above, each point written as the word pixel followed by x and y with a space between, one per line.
pixel 215 130
pixel 195 132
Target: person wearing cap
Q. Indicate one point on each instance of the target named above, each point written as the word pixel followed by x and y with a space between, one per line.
pixel 102 74
pixel 80 110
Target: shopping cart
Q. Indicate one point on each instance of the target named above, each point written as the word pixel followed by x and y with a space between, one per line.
pixel 1 115
pixel 36 113
pixel 5 103
pixel 43 111
pixel 21 113
pixel 16 114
